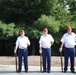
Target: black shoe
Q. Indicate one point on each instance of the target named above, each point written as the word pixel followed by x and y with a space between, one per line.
pixel 18 71
pixel 43 71
pixel 26 71
pixel 72 71
pixel 65 71
pixel 48 71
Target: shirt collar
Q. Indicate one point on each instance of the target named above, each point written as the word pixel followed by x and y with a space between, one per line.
pixel 69 34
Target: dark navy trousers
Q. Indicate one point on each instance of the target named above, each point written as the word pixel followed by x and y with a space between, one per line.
pixel 46 58
pixel 69 52
pixel 22 53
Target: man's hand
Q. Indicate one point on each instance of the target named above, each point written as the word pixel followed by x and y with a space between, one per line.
pixel 60 49
pixel 40 51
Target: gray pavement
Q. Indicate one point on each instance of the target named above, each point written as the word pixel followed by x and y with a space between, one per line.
pixel 33 70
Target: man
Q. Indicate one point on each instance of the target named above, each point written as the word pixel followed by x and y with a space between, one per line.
pixel 45 43
pixel 22 43
pixel 69 41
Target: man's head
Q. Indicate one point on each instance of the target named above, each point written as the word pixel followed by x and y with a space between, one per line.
pixel 22 33
pixel 45 31
pixel 69 29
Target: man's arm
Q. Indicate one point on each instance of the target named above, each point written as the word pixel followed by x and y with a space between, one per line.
pixel 15 49
pixel 40 48
pixel 62 44
pixel 28 42
pixel 60 49
pixel 52 43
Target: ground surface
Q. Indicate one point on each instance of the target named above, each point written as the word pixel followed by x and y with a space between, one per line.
pixel 7 66
pixel 33 70
pixel 32 61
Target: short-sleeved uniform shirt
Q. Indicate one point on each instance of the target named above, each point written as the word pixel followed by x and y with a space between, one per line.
pixel 69 40
pixel 22 42
pixel 45 41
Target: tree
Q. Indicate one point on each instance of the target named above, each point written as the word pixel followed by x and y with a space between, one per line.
pixel 6 30
pixel 33 16
pixel 25 10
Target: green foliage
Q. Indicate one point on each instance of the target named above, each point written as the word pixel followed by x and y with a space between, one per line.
pixel 48 22
pixel 73 7
pixel 25 10
pixel 60 13
pixel 33 16
pixel 33 33
pixel 6 30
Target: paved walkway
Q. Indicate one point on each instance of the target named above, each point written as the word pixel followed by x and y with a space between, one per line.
pixel 33 70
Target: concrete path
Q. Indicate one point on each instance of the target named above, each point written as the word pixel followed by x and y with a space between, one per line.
pixel 33 70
